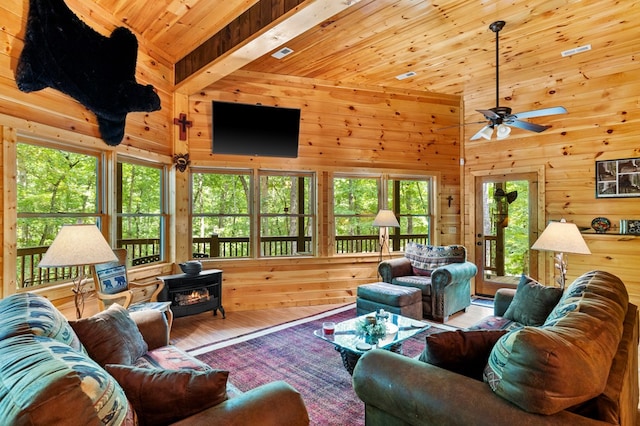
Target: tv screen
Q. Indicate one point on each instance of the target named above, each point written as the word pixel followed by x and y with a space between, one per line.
pixel 258 130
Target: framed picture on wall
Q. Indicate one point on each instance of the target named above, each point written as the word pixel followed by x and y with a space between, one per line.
pixel 618 178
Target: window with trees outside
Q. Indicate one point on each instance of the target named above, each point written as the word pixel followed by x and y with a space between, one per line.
pixel 287 214
pixel 357 200
pixel 220 211
pixel 410 200
pixel 54 187
pixel 140 211
pixel 224 225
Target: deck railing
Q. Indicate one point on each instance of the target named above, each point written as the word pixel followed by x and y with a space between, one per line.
pixel 143 251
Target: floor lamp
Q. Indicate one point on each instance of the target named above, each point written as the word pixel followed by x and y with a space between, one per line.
pixel 384 219
pixel 78 245
pixel 561 237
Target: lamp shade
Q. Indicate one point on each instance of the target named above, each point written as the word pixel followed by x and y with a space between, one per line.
pixel 77 245
pixel 486 132
pixel 561 237
pixel 386 218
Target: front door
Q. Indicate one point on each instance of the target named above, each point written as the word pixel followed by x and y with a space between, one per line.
pixel 505 226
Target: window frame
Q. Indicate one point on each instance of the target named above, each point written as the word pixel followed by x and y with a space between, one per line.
pixel 163 214
pixel 312 215
pixel 387 199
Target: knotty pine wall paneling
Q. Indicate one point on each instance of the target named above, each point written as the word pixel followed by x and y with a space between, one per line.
pixel 600 90
pixel 343 129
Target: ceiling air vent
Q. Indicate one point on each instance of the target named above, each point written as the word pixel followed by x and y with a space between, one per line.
pixel 282 53
pixel 406 75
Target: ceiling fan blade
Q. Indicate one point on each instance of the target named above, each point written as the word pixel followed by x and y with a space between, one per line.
pixel 539 112
pixel 488 113
pixel 532 127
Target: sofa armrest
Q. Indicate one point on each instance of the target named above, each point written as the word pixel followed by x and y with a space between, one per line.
pixel 502 300
pixel 402 390
pixel 153 326
pixel 452 273
pixel 399 267
pixel 274 404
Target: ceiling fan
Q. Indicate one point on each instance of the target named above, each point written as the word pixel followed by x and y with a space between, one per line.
pixel 501 118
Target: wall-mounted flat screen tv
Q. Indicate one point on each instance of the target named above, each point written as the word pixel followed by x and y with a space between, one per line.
pixel 256 130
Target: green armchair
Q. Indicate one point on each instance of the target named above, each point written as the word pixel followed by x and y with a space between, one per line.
pixel 442 273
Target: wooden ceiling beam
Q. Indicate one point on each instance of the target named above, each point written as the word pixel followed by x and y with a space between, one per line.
pixel 295 21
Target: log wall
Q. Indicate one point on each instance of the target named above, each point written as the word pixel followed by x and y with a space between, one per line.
pixel 600 91
pixel 346 129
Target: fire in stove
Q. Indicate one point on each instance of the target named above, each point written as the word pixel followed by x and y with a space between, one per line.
pixel 192 297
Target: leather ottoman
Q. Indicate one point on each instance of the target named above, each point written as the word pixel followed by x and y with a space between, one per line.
pixel 405 301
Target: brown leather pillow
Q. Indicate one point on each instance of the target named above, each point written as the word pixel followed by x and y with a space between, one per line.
pixel 160 397
pixel 463 352
pixel 111 336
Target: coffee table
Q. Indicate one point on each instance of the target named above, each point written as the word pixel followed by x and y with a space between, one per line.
pixel 351 343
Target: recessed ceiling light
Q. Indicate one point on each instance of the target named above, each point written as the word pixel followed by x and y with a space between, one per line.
pixel 282 53
pixel 406 75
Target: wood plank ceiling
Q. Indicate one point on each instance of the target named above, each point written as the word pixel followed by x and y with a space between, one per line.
pixel 447 43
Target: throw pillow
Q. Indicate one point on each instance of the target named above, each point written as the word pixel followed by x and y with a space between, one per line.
pixel 45 382
pixel 30 313
pixel 161 397
pixel 111 336
pixel 463 352
pixel 533 302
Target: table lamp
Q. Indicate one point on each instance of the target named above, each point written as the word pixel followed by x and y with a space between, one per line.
pixel 78 245
pixel 384 219
pixel 561 237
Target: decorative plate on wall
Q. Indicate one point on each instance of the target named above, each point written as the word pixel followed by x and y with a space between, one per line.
pixel 601 224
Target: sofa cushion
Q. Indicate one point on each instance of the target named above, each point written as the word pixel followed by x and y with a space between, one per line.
pixel 533 302
pixel 30 313
pixel 45 382
pixel 460 351
pixel 111 336
pixel 424 258
pixel 165 396
pixel 567 360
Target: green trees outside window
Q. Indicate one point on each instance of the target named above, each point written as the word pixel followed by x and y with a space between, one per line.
pixel 220 211
pixel 357 200
pixel 140 212
pixel 54 188
pixel 223 224
pixel 58 185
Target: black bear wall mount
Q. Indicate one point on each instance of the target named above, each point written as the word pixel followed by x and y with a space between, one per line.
pixel 62 52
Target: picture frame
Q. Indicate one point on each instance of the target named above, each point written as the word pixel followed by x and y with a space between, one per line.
pixel 618 178
pixel 630 226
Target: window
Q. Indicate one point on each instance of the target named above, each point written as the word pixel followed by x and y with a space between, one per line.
pixel 358 199
pixel 140 211
pixel 287 206
pixel 220 209
pixel 54 187
pixel 355 203
pixel 410 200
pixel 224 223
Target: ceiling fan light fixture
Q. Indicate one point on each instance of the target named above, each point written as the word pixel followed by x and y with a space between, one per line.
pixel 486 133
pixel 502 131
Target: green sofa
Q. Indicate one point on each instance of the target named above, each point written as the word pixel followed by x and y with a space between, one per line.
pixel 117 368
pixel 442 273
pixel 580 367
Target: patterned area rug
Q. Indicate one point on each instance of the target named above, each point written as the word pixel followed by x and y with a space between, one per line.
pixel 308 363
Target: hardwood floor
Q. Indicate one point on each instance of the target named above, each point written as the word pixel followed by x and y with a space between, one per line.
pixel 198 330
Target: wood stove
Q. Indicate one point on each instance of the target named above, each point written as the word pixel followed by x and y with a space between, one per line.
pixel 192 294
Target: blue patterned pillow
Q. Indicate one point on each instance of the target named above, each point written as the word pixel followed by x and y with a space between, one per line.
pixel 30 313
pixel 425 258
pixel 43 381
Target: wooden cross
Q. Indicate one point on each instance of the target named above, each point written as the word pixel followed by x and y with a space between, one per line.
pixel 184 125
pixel 450 199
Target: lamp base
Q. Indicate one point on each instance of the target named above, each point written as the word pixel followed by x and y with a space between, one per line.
pixel 78 295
